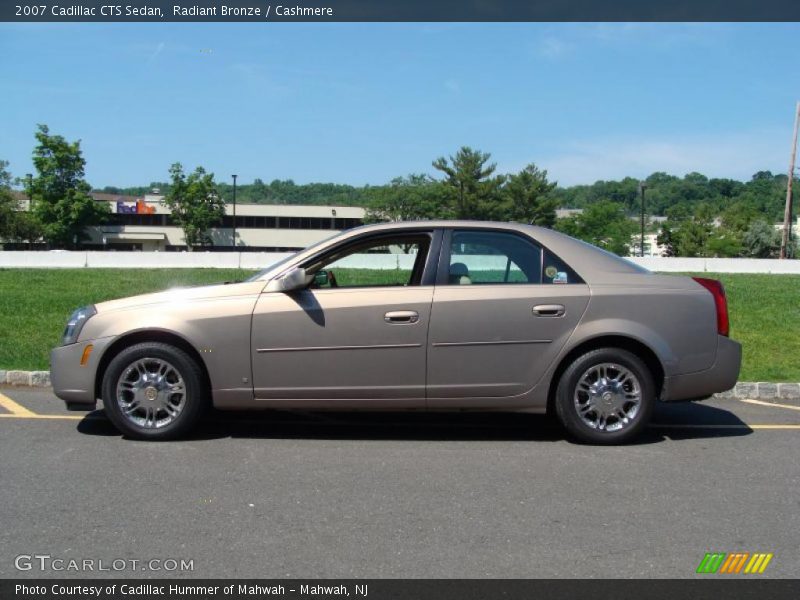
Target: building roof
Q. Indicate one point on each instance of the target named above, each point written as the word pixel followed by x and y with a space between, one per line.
pixel 102 196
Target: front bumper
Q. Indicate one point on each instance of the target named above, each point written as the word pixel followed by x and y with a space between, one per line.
pixel 720 377
pixel 72 382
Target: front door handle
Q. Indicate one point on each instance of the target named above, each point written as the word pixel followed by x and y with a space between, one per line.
pixel 549 310
pixel 401 317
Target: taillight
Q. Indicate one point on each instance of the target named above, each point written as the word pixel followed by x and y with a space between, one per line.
pixel 720 301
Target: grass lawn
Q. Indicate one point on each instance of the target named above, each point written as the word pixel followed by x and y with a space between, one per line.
pixel 35 303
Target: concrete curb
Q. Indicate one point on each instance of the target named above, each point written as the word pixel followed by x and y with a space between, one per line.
pixel 754 390
pixel 764 390
pixel 25 378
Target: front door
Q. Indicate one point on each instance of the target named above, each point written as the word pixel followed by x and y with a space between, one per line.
pixel 356 336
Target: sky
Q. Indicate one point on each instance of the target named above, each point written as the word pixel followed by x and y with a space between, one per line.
pixel 363 103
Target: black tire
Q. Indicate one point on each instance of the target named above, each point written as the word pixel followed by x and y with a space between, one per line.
pixel 566 404
pixel 195 398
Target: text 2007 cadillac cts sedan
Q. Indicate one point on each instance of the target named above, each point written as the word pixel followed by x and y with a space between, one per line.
pixel 436 315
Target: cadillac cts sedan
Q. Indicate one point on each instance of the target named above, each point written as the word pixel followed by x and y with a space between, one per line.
pixel 435 315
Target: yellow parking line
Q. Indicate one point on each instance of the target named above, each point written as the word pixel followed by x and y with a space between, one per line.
pixel 16 410
pixel 35 416
pixel 775 404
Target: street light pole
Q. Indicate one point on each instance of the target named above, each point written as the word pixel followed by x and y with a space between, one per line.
pixel 234 210
pixel 642 187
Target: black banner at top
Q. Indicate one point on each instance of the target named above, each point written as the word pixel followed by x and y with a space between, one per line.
pixel 396 10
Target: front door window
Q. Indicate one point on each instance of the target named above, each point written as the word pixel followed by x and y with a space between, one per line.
pixel 383 262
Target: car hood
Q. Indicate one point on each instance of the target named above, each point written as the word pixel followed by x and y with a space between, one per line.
pixel 183 294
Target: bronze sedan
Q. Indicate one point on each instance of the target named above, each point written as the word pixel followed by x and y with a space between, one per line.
pixel 437 315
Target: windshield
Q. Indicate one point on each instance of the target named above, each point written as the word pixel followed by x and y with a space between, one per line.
pixel 285 260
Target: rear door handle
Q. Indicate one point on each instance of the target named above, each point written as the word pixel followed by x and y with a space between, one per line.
pixel 401 317
pixel 549 310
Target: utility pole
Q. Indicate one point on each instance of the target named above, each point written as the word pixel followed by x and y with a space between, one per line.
pixel 642 187
pixel 787 214
pixel 233 242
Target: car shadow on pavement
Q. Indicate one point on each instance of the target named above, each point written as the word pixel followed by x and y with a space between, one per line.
pixel 679 421
pixel 690 420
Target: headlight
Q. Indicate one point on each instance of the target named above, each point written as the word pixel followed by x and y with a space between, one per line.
pixel 75 324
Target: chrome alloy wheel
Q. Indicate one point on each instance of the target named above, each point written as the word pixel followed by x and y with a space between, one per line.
pixel 151 393
pixel 608 397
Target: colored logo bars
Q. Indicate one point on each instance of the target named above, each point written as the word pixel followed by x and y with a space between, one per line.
pixel 140 208
pixel 721 562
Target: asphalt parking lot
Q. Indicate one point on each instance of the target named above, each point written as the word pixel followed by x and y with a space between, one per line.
pixel 400 495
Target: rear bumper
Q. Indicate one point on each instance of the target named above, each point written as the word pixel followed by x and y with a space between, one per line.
pixel 73 382
pixel 720 377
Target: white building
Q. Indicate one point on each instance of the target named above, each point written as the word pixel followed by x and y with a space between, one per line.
pixel 651 245
pixel 146 224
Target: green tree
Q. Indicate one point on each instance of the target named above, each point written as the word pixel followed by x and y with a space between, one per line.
pixel 59 194
pixel 724 243
pixel 603 224
pixel 666 239
pixel 529 199
pixel 259 192
pixel 15 224
pixel 8 203
pixel 761 240
pixel 26 228
pixel 195 204
pixel 738 216
pixel 689 230
pixel 695 233
pixel 474 189
pixel 410 198
pixel 9 207
pixel 766 194
pixel 726 240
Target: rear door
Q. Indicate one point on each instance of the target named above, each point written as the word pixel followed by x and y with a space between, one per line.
pixel 503 307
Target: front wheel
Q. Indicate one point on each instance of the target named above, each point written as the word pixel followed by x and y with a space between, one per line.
pixel 605 397
pixel 154 391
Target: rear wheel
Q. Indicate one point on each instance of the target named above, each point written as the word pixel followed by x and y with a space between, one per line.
pixel 606 396
pixel 154 391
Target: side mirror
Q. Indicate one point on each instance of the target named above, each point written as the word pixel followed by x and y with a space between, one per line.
pixel 295 279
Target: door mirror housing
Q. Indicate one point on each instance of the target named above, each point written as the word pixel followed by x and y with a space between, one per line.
pixel 294 279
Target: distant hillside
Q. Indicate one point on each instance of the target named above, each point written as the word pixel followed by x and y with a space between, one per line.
pixel 276 192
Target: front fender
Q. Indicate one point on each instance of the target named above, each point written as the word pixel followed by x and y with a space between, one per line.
pixel 217 328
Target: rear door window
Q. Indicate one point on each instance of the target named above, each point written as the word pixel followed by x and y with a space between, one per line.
pixel 488 257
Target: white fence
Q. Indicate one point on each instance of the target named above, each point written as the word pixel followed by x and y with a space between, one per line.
pixel 260 260
pixel 138 260
pixel 718 265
